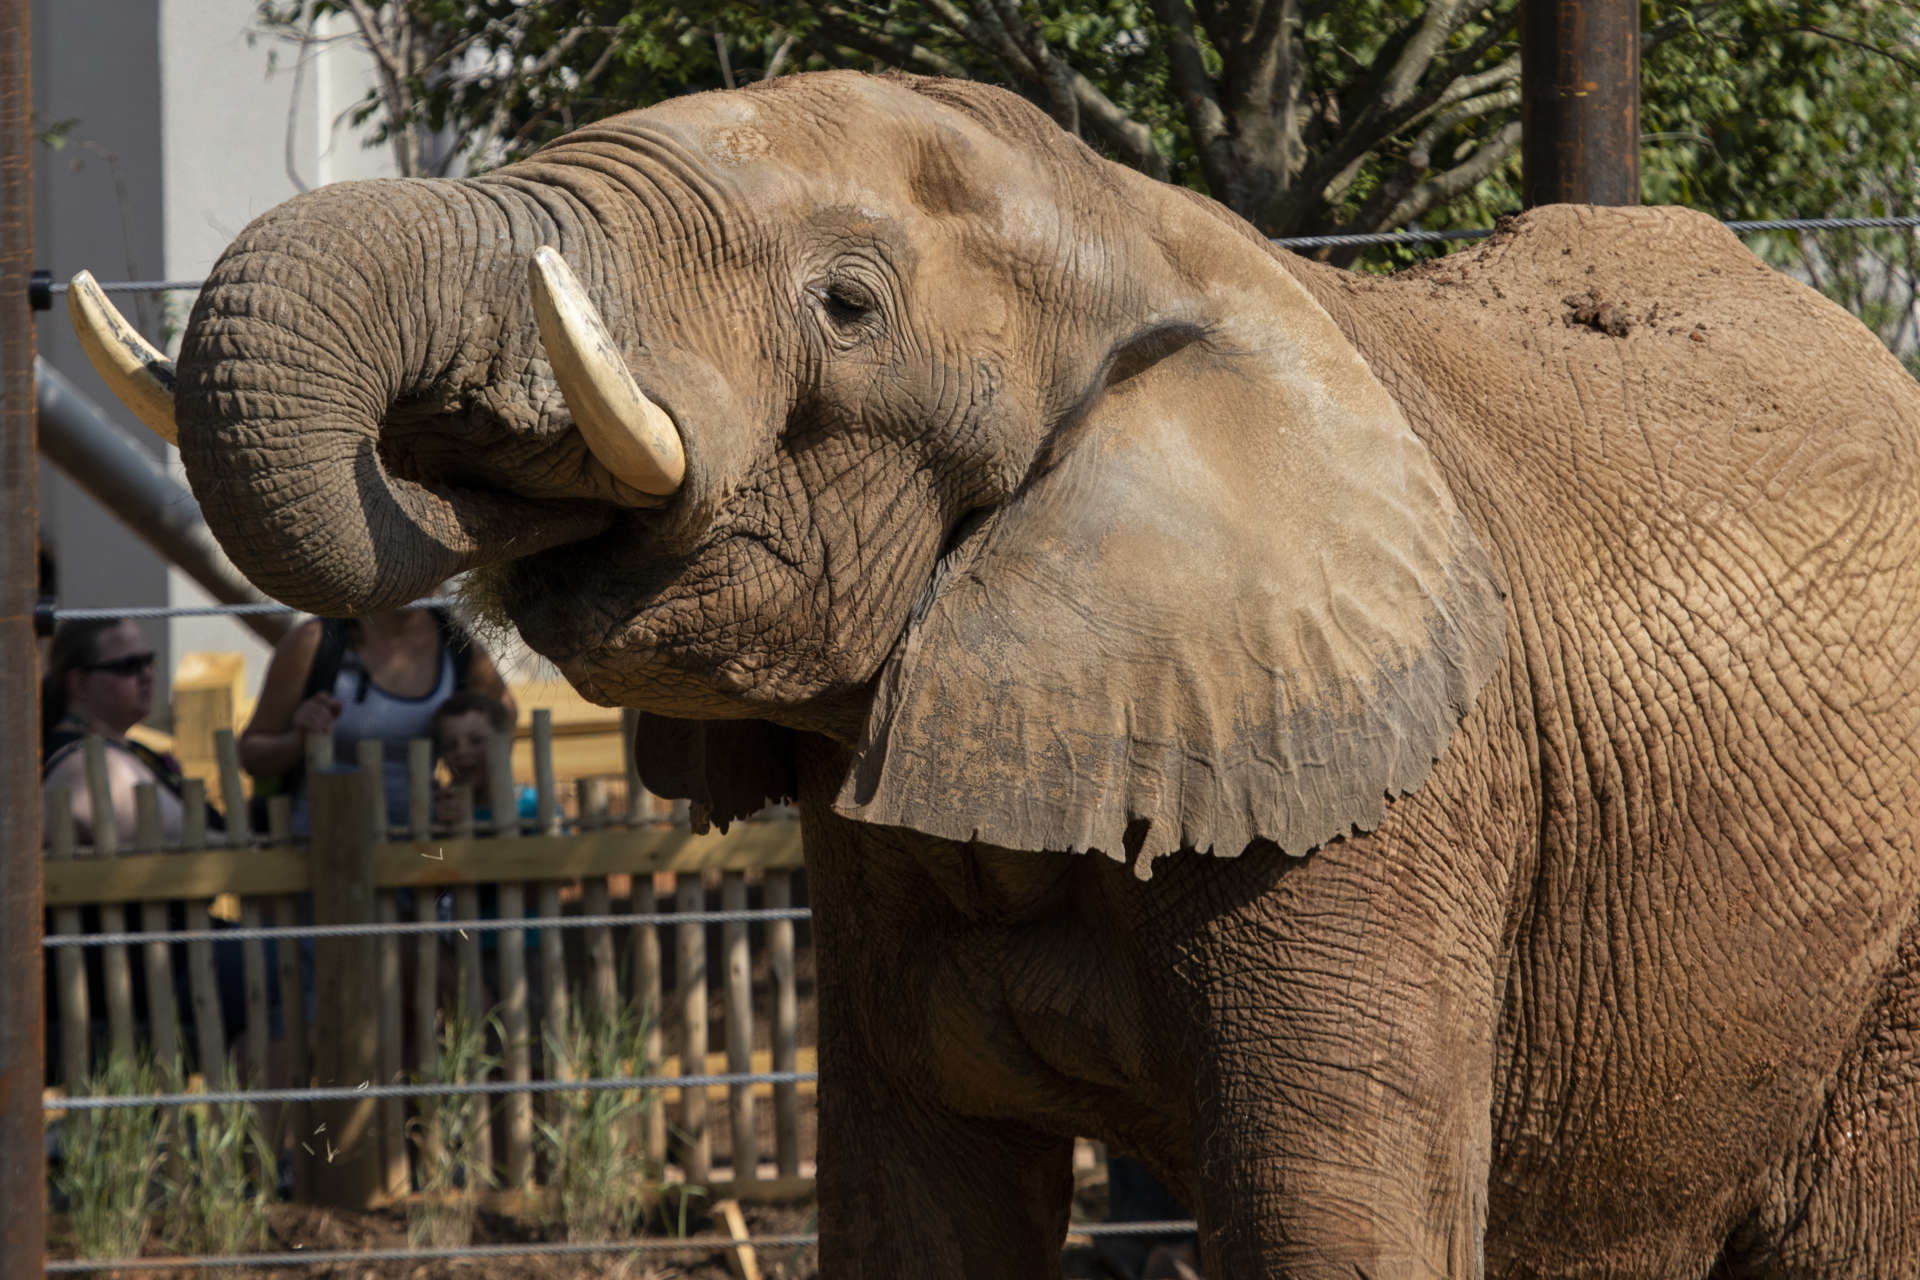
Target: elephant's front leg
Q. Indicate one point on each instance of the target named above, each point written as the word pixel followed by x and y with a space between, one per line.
pixel 909 1188
pixel 1341 1081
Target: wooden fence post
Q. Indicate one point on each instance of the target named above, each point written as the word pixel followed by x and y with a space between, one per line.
pixel 648 993
pixel 511 953
pixel 426 968
pixel 371 755
pixel 744 1132
pixel 347 1046
pixel 163 1016
pixel 554 996
pixel 292 1119
pixel 253 953
pixel 118 977
pixel 691 896
pixel 786 1024
pixel 70 966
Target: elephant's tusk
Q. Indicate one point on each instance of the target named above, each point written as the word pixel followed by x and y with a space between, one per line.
pixel 630 435
pixel 140 376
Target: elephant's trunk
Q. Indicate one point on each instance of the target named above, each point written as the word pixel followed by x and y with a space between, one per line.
pixel 321 318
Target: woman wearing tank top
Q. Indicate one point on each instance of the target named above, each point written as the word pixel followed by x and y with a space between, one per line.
pixel 396 670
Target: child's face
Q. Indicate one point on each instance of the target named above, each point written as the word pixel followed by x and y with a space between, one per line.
pixel 463 745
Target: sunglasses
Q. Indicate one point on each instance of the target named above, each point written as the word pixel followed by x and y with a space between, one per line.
pixel 133 664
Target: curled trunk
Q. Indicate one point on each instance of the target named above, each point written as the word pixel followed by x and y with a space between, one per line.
pixel 324 317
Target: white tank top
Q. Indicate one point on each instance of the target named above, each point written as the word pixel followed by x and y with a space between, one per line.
pixel 369 712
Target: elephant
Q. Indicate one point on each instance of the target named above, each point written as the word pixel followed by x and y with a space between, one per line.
pixel 1425 761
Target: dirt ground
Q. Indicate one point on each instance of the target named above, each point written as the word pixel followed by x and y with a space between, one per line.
pixel 300 1227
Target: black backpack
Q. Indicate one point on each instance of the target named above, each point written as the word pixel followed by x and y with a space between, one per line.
pixel 328 659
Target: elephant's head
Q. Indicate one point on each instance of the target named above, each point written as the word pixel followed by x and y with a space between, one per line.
pixel 1042 486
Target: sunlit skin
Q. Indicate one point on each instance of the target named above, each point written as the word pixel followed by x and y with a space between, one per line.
pixel 110 695
pixel 112 701
pixel 463 748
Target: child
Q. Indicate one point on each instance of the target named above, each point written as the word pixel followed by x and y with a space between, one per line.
pixel 462 727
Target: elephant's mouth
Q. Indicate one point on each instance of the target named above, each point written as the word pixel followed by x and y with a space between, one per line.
pixel 571 603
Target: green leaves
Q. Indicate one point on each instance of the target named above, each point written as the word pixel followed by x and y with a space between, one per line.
pixel 1351 115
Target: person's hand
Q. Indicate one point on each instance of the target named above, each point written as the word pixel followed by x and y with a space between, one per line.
pixel 317 714
pixel 445 811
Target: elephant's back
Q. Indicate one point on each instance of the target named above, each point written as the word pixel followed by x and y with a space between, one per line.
pixel 1700 482
pixel 1640 361
pixel 1631 402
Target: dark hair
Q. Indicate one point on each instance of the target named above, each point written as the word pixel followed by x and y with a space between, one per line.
pixel 75 644
pixel 467 701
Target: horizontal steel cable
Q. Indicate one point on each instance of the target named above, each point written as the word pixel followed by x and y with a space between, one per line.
pixel 93 613
pixel 457 1089
pixel 1480 233
pixel 1286 242
pixel 376 930
pixel 328 1257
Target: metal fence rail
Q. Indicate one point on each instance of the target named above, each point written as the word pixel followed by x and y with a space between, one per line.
pixel 470 1089
pixel 414 927
pixel 1737 225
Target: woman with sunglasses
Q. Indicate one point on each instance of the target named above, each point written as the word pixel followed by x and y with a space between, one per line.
pixel 99 680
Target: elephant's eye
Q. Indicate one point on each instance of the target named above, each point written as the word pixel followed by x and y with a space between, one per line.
pixel 845 303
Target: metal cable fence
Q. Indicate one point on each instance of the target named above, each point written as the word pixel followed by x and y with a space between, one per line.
pixel 437 1089
pixel 1737 226
pixel 413 927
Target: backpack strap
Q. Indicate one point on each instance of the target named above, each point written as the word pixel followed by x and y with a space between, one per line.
pixel 458 644
pixel 327 657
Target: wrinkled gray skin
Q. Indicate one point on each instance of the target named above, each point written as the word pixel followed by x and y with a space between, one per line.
pixel 1538 629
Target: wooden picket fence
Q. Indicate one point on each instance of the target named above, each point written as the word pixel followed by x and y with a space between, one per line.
pixel 377 1000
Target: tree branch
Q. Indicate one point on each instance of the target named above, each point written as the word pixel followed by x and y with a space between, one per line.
pixel 847 31
pixel 779 58
pixel 1443 18
pixel 1053 74
pixel 990 37
pixel 393 79
pixel 1206 123
pixel 1455 181
pixel 1465 109
pixel 1376 123
pixel 1890 55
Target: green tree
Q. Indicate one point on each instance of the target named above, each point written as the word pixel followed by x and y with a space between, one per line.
pixel 1304 116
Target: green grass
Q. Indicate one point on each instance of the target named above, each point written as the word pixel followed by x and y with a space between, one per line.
pixel 448 1132
pixel 110 1160
pixel 217 1190
pixel 591 1138
pixel 201 1173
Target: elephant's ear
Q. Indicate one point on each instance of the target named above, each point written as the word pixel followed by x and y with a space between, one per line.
pixel 1235 603
pixel 728 769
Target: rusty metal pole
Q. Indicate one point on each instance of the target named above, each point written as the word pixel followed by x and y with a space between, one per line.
pixel 23 1205
pixel 1580 102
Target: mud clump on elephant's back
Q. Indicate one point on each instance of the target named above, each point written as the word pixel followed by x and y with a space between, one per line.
pixel 1590 311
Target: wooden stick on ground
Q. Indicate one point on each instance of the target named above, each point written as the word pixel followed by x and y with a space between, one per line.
pixel 740 1255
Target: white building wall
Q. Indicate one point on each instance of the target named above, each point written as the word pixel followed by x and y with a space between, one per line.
pixel 190 122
